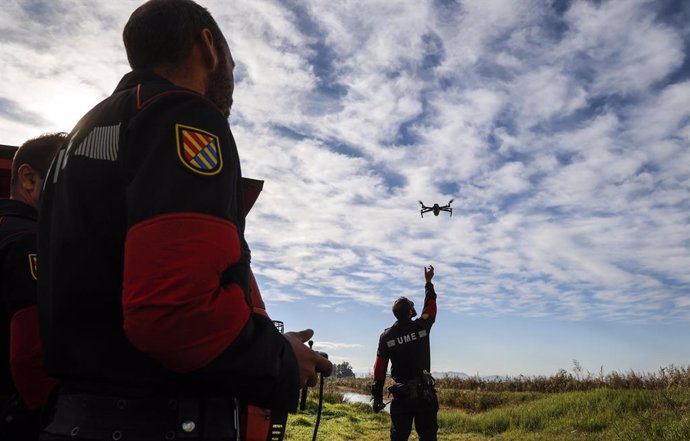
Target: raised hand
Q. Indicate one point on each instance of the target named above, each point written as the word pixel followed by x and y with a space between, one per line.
pixel 429 273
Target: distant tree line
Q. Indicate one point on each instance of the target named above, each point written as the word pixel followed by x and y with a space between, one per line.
pixel 343 370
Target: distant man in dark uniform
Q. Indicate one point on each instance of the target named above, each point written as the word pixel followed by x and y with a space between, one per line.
pixel 24 385
pixel 144 291
pixel 406 346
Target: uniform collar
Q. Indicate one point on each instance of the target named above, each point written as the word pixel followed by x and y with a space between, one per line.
pixel 13 207
pixel 138 76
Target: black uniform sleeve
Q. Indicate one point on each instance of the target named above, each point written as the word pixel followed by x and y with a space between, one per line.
pixel 261 352
pixel 181 157
pixel 186 225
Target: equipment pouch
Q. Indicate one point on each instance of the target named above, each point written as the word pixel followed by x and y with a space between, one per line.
pixel 427 388
pixel 400 390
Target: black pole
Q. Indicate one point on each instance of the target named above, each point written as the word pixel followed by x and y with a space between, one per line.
pixel 303 399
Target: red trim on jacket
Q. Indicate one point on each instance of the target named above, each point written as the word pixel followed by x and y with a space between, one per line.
pixel 174 307
pixel 380 368
pixel 430 308
pixel 26 358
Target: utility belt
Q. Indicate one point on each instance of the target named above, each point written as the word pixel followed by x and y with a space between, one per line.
pixel 17 422
pixel 422 387
pixel 108 418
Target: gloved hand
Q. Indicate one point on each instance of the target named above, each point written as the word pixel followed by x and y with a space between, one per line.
pixel 378 406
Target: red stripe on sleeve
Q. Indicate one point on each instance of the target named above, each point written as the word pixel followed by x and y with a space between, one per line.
pixel 380 368
pixel 430 308
pixel 174 307
pixel 26 358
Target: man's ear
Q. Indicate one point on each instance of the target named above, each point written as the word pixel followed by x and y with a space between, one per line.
pixel 209 50
pixel 28 178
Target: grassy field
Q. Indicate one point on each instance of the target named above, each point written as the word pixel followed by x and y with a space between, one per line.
pixel 651 410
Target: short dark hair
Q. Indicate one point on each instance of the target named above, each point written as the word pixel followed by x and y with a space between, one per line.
pixel 401 308
pixel 164 31
pixel 38 153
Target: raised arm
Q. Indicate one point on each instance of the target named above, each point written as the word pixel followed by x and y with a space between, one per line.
pixel 429 311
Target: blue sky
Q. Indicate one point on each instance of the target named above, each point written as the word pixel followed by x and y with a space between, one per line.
pixel 560 128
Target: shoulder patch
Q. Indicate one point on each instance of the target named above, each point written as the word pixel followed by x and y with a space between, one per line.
pixel 199 150
pixel 33 266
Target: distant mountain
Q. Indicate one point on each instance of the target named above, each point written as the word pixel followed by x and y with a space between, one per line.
pixel 450 374
pixel 464 376
pixel 443 374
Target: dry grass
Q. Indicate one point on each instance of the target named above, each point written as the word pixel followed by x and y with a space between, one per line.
pixel 578 380
pixel 562 381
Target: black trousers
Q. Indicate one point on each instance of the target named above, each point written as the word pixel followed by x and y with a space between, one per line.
pixel 405 411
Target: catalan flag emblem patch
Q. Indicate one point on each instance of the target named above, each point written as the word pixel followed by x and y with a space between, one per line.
pixel 33 266
pixel 199 150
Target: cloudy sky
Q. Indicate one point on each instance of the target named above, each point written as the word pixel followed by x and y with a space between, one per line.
pixel 561 129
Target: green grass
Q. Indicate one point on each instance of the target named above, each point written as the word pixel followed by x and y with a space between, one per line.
pixel 594 415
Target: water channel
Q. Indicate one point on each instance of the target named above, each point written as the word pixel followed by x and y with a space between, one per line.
pixel 354 397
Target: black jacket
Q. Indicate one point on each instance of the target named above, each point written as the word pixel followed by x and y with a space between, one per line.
pixel 406 346
pixel 141 214
pixel 17 274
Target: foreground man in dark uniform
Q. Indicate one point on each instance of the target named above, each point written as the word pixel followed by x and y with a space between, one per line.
pixel 144 292
pixel 406 345
pixel 24 385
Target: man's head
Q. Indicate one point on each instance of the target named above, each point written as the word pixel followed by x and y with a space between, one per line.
pixel 163 35
pixel 30 166
pixel 403 309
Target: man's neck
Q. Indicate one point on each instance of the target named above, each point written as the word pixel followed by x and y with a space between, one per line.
pixel 19 197
pixel 191 72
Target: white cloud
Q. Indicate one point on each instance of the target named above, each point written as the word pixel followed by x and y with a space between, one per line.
pixel 545 94
pixel 327 345
pixel 624 61
pixel 62 60
pixel 565 151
